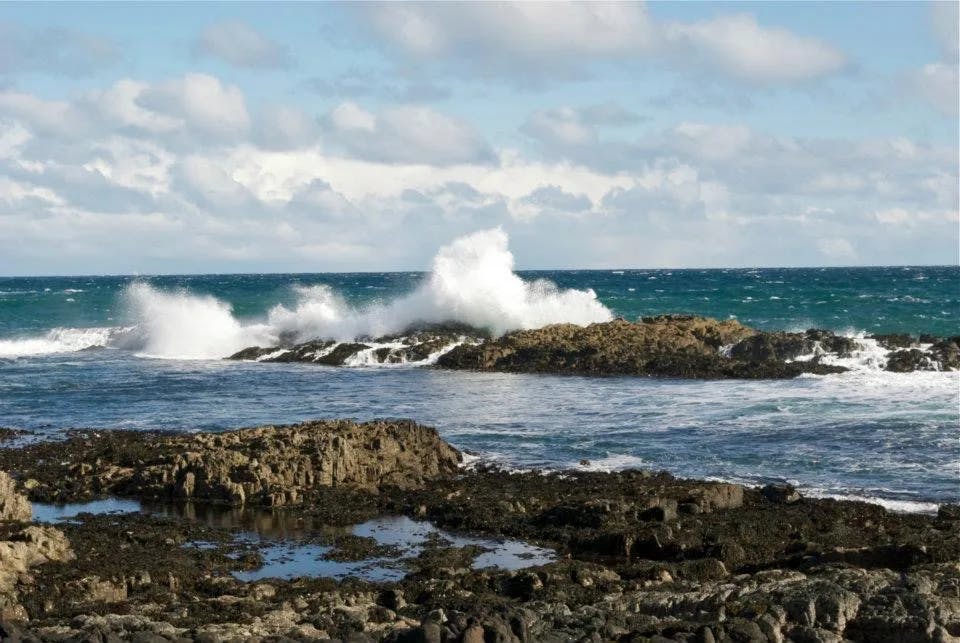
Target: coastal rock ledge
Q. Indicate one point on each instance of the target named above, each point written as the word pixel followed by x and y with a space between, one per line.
pixel 268 465
pixel 684 346
pixel 640 556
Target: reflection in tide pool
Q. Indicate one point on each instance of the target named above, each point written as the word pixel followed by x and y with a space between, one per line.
pixel 407 538
pixel 284 543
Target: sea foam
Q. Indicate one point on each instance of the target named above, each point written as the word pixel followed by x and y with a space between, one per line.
pixel 472 282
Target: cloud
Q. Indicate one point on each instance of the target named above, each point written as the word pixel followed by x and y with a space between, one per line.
pixel 189 177
pixel 358 84
pixel 54 50
pixel 406 134
pixel 553 199
pixel 204 103
pixel 739 46
pixel 538 41
pixel 836 248
pixel 240 45
pixel 282 127
pixel 945 18
pixel 569 126
pixel 939 82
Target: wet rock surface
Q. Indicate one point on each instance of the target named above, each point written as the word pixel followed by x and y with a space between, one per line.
pixel 643 556
pixel 666 346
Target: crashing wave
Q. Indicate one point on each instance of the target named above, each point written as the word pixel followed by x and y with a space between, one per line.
pixel 472 283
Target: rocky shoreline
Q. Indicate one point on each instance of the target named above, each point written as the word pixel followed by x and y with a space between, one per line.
pixel 664 346
pixel 637 555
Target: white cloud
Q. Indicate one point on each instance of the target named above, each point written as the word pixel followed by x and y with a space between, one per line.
pixel 739 46
pixel 350 116
pixel 239 44
pixel 526 40
pixel 910 218
pixel 282 127
pixel 194 181
pixel 563 126
pixel 836 248
pixel 202 102
pixel 528 30
pixel 406 134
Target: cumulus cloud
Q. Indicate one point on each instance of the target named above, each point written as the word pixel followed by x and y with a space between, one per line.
pixel 54 50
pixel 537 40
pixel 739 46
pixel 240 45
pixel 192 177
pixel 202 102
pixel 406 134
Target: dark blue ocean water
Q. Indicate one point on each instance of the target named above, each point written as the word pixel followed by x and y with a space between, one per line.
pixel 866 433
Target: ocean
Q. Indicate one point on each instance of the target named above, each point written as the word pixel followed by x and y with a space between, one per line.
pixel 145 352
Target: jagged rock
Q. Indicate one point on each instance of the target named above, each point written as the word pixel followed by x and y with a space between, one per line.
pixel 669 345
pixel 21 551
pixel 907 361
pixel 271 465
pixel 13 505
pixel 947 353
pixel 893 341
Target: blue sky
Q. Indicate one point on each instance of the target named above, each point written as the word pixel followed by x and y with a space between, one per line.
pixel 310 137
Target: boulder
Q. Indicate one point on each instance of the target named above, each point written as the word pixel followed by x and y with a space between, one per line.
pixel 21 551
pixel 13 505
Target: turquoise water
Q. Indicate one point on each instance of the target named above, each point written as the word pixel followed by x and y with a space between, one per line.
pixel 81 352
pixel 884 300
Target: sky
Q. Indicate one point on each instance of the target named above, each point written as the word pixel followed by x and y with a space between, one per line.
pixel 246 137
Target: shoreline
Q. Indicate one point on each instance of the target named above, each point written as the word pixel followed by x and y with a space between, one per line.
pixel 615 556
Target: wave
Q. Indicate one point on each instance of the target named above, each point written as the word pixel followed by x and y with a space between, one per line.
pixel 472 282
pixel 59 340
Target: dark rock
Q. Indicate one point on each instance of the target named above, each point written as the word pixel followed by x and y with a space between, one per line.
pixel 947 353
pixel 950 512
pixel 894 341
pixel 783 494
pixel 907 361
pixel 764 347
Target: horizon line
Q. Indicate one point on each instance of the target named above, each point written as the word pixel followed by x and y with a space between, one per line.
pixel 423 272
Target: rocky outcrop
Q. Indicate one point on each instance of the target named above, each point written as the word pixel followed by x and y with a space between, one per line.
pixel 641 555
pixel 669 346
pixel 20 551
pixel 413 345
pixel 13 504
pixel 780 346
pixel 267 465
pixel 927 353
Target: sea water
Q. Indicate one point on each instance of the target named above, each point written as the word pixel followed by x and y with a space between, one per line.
pixel 145 352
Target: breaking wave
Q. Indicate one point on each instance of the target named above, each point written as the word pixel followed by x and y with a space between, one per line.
pixel 472 282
